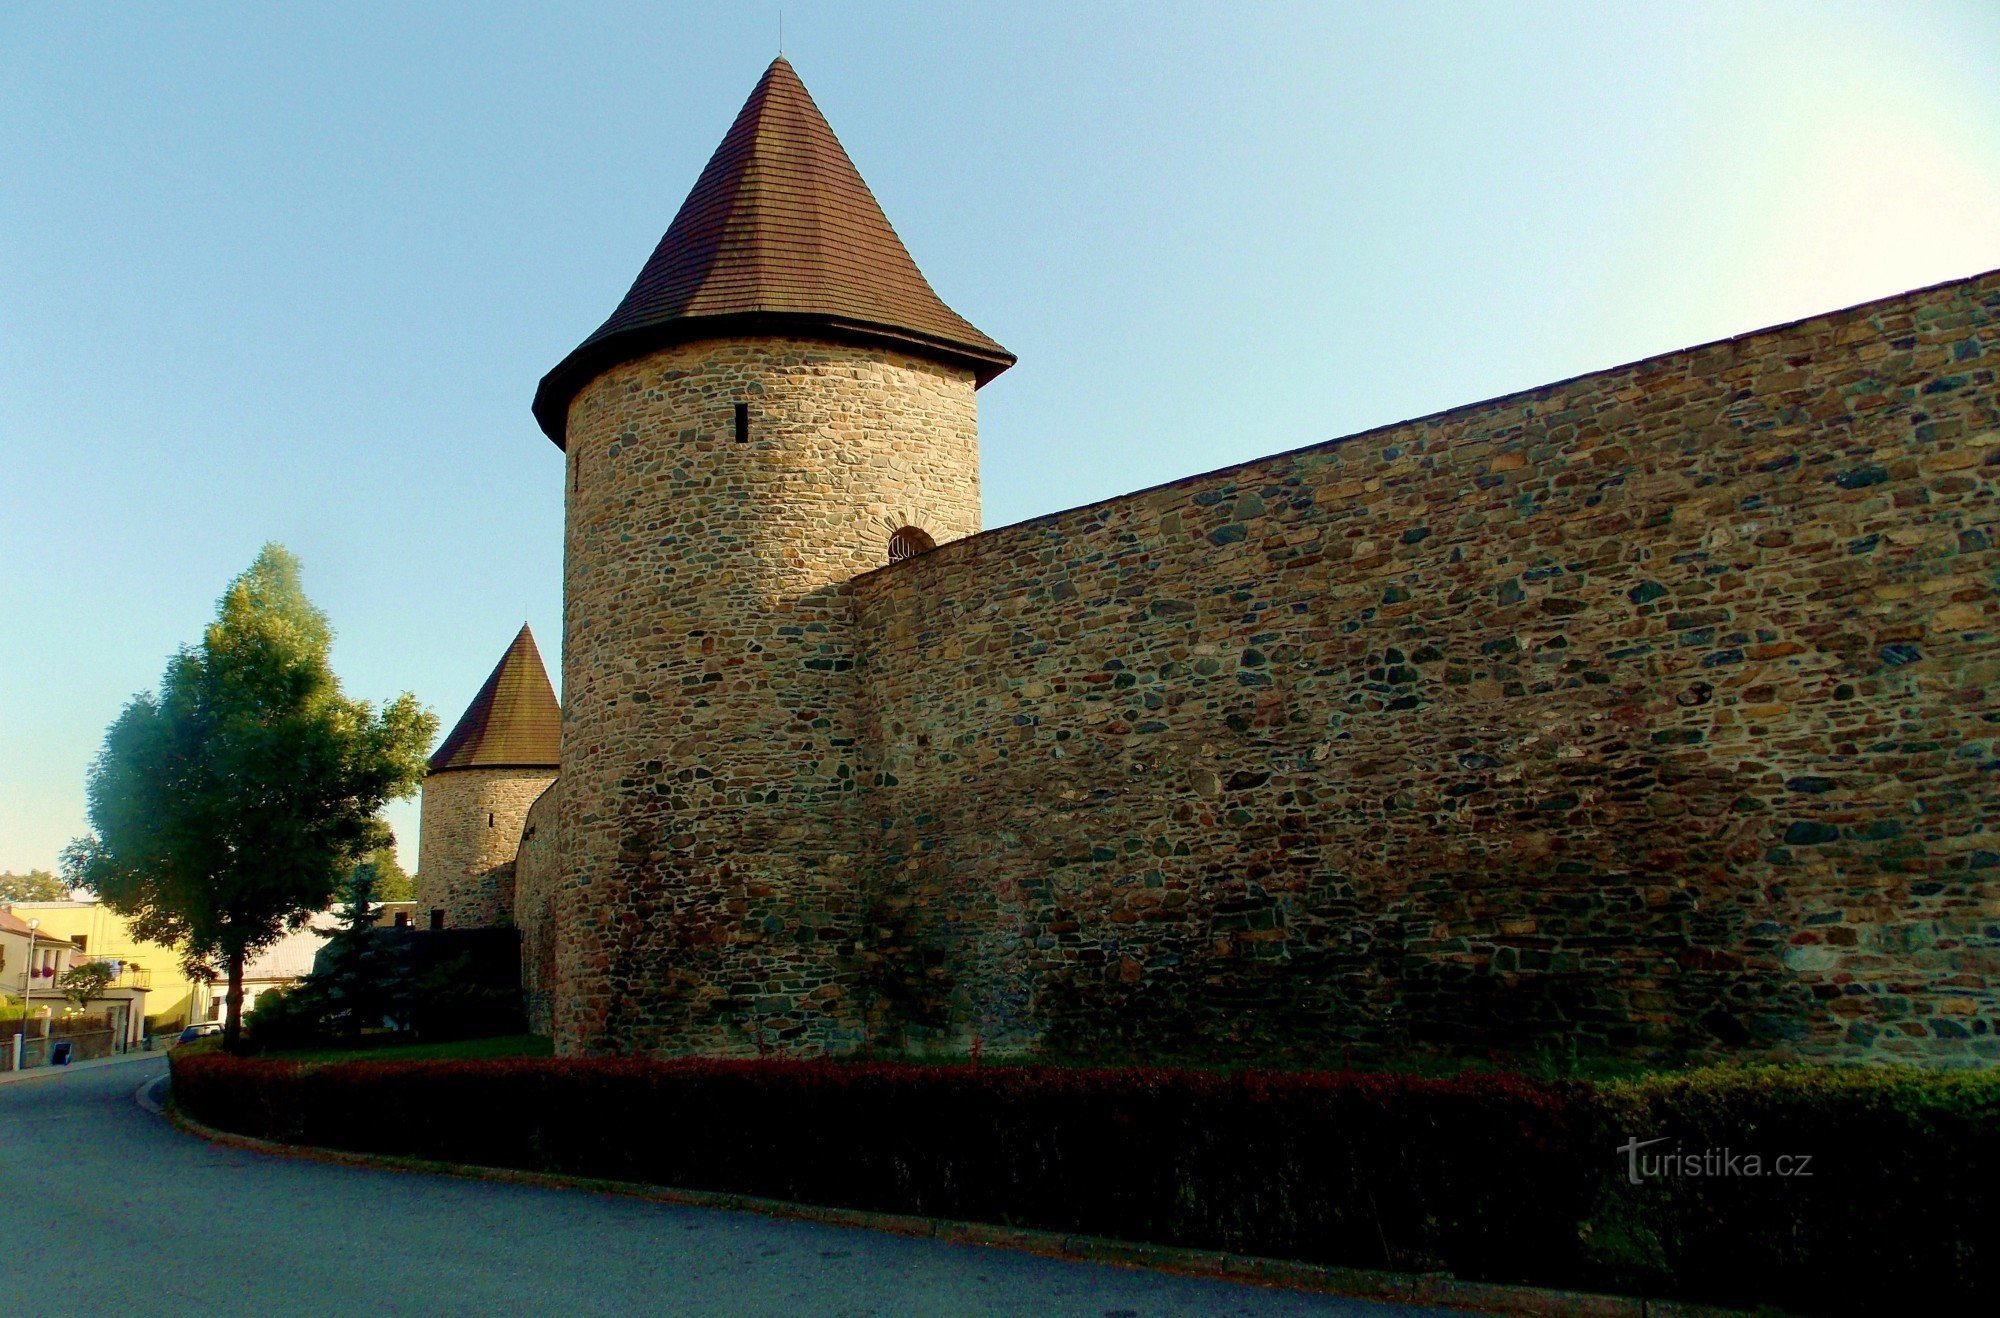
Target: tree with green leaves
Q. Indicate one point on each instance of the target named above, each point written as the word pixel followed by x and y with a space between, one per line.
pixel 34 886
pixel 393 883
pixel 227 808
pixel 85 980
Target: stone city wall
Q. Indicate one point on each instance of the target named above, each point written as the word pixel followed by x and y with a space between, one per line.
pixel 708 899
pixel 470 828
pixel 1648 713
pixel 537 870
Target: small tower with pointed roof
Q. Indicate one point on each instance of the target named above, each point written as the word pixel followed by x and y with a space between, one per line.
pixel 780 402
pixel 501 756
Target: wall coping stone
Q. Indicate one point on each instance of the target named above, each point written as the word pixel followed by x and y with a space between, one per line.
pixel 1832 319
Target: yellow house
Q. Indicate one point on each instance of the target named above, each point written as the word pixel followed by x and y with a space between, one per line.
pixel 100 935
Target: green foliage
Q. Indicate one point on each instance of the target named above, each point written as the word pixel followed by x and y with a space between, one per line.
pixel 370 984
pixel 357 984
pixel 227 808
pixel 1897 1160
pixel 1490 1177
pixel 493 1048
pixel 85 980
pixel 284 1018
pixel 393 883
pixel 34 886
pixel 1717 1091
pixel 361 982
pixel 451 1002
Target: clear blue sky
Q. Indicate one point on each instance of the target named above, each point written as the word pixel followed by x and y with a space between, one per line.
pixel 292 272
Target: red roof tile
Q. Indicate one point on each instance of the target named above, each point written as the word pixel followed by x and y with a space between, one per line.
pixel 18 925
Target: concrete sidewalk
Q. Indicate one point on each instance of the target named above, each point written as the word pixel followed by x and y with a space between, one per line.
pixel 39 1072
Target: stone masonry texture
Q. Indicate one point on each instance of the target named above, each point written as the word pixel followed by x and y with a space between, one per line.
pixel 710 890
pixel 537 869
pixel 470 827
pixel 1648 713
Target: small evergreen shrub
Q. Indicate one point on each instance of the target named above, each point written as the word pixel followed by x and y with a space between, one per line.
pixel 451 1001
pixel 368 980
pixel 285 1018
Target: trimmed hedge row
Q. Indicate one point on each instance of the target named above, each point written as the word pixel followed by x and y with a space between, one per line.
pixel 1491 1177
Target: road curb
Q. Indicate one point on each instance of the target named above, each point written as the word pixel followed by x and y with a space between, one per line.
pixel 47 1072
pixel 146 1100
pixel 1438 1289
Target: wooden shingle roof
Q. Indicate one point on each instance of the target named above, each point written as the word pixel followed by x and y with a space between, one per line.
pixel 513 723
pixel 779 235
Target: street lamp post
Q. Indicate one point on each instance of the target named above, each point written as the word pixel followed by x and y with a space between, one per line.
pixel 27 972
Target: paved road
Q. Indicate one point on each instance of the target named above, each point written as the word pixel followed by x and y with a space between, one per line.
pixel 119 1213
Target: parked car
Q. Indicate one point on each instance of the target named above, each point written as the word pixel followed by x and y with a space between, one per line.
pixel 202 1030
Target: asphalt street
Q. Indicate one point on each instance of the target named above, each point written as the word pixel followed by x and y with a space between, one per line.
pixel 107 1209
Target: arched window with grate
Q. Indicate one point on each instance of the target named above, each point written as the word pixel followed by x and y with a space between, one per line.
pixel 908 542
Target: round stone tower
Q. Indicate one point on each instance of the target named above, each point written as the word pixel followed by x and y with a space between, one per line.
pixel 780 397
pixel 500 757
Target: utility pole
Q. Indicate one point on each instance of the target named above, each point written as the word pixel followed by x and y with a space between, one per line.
pixel 27 972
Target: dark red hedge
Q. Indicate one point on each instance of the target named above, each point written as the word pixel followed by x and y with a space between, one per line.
pixel 1492 1177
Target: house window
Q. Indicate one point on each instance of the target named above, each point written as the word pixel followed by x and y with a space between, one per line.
pixel 489 819
pixel 82 943
pixel 743 423
pixel 402 919
pixel 437 918
pixel 908 542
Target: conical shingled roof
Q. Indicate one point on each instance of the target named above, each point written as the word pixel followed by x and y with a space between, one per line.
pixel 779 235
pixel 513 723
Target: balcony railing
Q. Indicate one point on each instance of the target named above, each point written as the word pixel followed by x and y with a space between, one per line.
pixel 44 980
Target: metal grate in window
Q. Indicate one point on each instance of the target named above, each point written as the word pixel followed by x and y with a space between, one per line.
pixel 908 542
